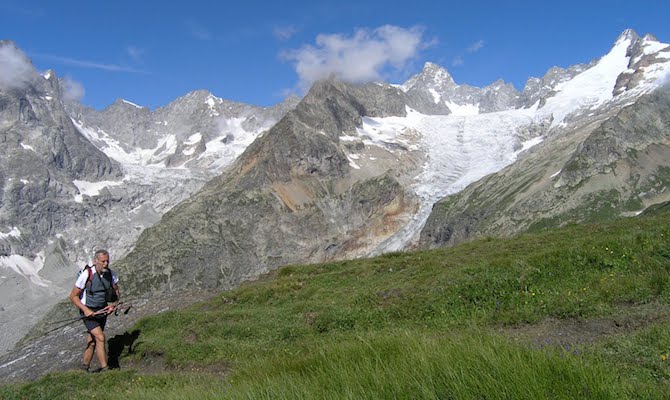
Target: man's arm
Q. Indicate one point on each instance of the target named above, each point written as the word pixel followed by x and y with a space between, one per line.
pixel 75 298
pixel 118 294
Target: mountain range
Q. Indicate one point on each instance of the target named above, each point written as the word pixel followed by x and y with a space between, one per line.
pixel 206 193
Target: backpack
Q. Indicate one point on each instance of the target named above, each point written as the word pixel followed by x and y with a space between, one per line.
pixel 110 294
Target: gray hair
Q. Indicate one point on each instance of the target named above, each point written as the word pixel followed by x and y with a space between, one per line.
pixel 100 253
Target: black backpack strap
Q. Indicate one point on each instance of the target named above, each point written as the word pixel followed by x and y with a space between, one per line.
pixel 87 285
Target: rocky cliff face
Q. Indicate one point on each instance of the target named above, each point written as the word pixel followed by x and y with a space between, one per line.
pixel 43 156
pixel 646 55
pixel 434 92
pixel 610 168
pixel 290 197
pixel 537 90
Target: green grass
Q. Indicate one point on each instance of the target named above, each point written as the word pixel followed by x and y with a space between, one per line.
pixel 419 324
pixel 409 364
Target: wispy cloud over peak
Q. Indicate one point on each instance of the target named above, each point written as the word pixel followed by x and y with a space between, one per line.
pixel 71 89
pixel 364 56
pixel 16 70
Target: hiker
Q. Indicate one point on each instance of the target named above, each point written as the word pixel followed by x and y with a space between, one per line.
pixel 96 295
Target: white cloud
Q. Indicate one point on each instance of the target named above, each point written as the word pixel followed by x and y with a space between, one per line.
pixel 284 32
pixel 476 46
pixel 72 90
pixel 365 56
pixel 458 60
pixel 15 68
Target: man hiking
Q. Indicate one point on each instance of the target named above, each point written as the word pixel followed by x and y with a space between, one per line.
pixel 96 295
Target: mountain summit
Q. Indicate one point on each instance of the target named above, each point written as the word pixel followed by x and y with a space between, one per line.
pixel 434 92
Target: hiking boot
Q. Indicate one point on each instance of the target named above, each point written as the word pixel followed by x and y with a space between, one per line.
pixel 84 368
pixel 101 369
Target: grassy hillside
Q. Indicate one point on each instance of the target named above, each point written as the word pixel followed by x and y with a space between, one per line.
pixel 580 312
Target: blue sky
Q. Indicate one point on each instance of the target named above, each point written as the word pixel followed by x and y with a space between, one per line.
pixel 257 52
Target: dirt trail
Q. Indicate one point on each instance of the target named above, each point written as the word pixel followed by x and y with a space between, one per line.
pixel 570 334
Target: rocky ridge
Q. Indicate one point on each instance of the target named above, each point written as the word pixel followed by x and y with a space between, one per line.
pixel 433 91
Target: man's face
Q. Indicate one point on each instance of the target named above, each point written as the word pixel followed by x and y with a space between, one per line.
pixel 102 261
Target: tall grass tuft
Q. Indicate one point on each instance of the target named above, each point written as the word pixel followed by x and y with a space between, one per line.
pixel 409 365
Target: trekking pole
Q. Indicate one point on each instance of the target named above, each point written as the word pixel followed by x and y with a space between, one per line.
pixel 61 326
pixel 75 318
pixel 119 307
pixel 70 321
pixel 64 320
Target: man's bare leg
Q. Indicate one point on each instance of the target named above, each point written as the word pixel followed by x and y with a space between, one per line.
pixel 100 351
pixel 90 349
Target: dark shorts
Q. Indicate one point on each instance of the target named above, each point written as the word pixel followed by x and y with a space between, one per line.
pixel 94 322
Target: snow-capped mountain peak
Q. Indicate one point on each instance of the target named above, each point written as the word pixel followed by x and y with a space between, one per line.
pixel 627 36
pixel 434 91
pixel 431 74
pixel 633 66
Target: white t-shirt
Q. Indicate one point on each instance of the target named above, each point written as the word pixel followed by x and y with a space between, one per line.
pixel 83 278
